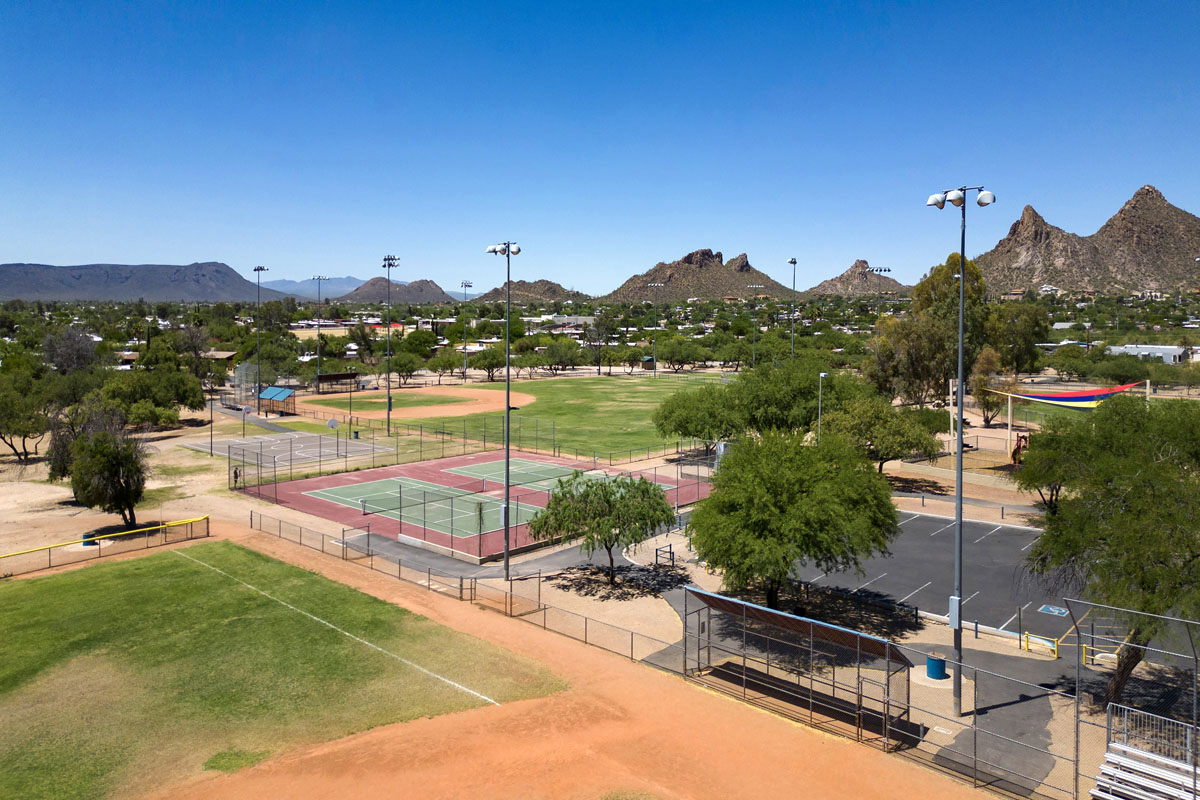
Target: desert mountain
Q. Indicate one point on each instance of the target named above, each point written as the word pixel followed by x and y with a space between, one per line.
pixel 702 273
pixel 416 293
pixel 539 291
pixel 206 282
pixel 1148 245
pixel 857 281
pixel 333 287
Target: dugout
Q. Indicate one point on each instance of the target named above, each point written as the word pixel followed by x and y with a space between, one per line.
pixel 278 400
pixel 336 382
pixel 828 676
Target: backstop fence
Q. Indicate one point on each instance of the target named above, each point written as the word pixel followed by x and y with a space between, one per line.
pixel 91 548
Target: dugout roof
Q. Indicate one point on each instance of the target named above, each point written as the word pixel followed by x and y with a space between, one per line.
pixel 276 393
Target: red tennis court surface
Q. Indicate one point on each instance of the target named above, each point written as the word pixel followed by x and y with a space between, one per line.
pixel 684 483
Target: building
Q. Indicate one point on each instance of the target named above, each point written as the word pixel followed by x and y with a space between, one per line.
pixel 1167 353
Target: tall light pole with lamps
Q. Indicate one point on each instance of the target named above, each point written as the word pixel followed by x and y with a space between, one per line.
pixel 258 271
pixel 319 279
pixel 389 262
pixel 465 285
pixel 508 250
pixel 958 197
pixel 821 376
pixel 792 261
pixel 655 287
pixel 754 326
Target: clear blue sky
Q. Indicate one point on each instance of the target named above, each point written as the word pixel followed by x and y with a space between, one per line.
pixel 318 137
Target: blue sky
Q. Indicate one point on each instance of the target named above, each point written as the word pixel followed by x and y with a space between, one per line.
pixel 318 137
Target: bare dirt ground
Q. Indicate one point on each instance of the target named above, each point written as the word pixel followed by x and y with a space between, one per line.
pixel 477 401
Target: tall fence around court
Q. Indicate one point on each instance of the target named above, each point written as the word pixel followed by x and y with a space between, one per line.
pixel 95 547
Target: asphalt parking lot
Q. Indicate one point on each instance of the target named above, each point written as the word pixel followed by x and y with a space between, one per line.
pixel 920 572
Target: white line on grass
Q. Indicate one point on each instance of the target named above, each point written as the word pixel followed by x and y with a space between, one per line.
pixel 401 659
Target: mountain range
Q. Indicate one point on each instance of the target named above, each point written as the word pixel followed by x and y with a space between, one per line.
pixel 414 292
pixel 701 273
pixel 858 280
pixel 540 291
pixel 332 287
pixel 209 281
pixel 1148 244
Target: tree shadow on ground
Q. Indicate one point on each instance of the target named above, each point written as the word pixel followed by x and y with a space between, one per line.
pixel 633 581
pixel 901 483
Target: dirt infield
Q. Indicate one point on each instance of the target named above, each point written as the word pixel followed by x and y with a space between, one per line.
pixel 478 401
pixel 620 727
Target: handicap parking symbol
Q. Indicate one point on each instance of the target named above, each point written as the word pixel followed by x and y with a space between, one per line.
pixel 1057 611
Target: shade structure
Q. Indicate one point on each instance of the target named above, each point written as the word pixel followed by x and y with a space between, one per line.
pixel 1085 398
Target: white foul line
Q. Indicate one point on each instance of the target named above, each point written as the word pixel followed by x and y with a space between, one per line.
pixel 868 583
pixel 910 594
pixel 989 533
pixel 401 659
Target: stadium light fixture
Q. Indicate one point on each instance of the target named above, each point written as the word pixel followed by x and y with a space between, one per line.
pixel 389 262
pixel 465 285
pixel 508 250
pixel 820 385
pixel 792 261
pixel 319 279
pixel 754 327
pixel 258 271
pixel 655 286
pixel 957 198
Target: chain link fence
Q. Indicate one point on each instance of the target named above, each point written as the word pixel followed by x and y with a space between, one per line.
pixel 91 548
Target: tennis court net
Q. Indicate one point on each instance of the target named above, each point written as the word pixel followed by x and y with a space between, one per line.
pixel 409 496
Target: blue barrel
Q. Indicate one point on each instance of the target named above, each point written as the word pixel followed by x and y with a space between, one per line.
pixel 89 540
pixel 935 668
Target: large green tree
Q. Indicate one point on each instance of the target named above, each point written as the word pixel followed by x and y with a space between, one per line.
pixel 109 473
pixel 1125 527
pixel 707 413
pixel 23 419
pixel 882 431
pixel 777 502
pixel 490 360
pixel 602 514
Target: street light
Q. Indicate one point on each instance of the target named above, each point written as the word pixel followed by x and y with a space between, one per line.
pixel 389 262
pixel 655 287
pixel 508 250
pixel 820 386
pixel 957 197
pixel 754 327
pixel 878 271
pixel 792 261
pixel 318 279
pixel 465 285
pixel 258 271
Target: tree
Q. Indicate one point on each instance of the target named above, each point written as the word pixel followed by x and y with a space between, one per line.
pixel 405 365
pixel 881 431
pixel 1014 330
pixel 1125 525
pixel 362 336
pixel 989 403
pixel 707 413
pixel 777 502
pixel 602 514
pixel 633 358
pixel 91 415
pixel 443 363
pixel 23 419
pixel 69 350
pixel 560 355
pixel 109 473
pixel 785 397
pixel 1069 361
pixel 678 352
pixel 490 360
pixel 419 343
pixel 528 362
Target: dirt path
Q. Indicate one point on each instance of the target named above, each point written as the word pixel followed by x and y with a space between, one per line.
pixel 476 401
pixel 620 727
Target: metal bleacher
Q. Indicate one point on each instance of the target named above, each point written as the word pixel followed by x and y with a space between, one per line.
pixel 1132 774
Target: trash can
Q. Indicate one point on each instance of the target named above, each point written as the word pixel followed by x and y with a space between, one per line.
pixel 89 540
pixel 935 667
pixel 356 434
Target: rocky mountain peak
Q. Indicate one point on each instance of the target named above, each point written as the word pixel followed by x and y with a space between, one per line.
pixel 700 258
pixel 740 263
pixel 856 281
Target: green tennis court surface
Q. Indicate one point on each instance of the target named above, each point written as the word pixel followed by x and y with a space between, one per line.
pixel 471 508
pixel 532 474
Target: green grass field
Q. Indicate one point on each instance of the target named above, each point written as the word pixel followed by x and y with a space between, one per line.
pixel 602 414
pixel 376 401
pixel 126 677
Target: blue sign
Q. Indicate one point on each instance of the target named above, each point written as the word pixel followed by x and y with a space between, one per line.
pixel 1057 611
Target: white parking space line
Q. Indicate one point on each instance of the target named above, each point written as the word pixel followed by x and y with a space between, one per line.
pixel 1026 547
pixel 910 519
pixel 939 530
pixel 822 575
pixel 910 594
pixel 989 533
pixel 964 602
pixel 1014 616
pixel 868 583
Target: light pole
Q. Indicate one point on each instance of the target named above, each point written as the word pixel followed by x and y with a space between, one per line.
pixel 792 261
pixel 318 279
pixel 655 287
pixel 754 326
pixel 508 250
pixel 821 376
pixel 465 285
pixel 388 263
pixel 957 197
pixel 258 271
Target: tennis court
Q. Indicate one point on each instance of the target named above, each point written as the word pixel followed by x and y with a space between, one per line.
pixel 466 508
pixel 525 473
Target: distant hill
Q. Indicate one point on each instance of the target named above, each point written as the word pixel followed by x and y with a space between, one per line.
pixel 856 282
pixel 703 274
pixel 308 288
pixel 539 291
pixel 415 292
pixel 209 281
pixel 1148 245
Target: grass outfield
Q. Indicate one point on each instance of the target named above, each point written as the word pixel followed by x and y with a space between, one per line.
pixel 126 677
pixel 377 401
pixel 592 413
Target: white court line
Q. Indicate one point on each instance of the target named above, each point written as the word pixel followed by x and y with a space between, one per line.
pixel 910 594
pixel 360 640
pixel 939 530
pixel 868 583
pixel 1014 616
pixel 964 602
pixel 989 533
